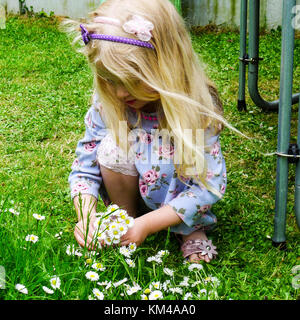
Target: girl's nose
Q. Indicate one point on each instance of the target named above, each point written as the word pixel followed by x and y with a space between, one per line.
pixel 121 92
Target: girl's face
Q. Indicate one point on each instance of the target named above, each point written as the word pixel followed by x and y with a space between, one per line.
pixel 123 95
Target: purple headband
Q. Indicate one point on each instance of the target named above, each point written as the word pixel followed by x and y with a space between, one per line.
pixel 86 37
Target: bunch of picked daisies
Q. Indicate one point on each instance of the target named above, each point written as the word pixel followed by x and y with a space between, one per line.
pixel 112 224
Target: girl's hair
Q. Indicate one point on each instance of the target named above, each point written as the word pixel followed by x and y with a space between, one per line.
pixel 186 97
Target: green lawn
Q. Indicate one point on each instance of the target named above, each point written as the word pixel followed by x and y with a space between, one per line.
pixel 45 89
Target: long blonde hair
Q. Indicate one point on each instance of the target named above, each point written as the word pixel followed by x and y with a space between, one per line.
pixel 187 98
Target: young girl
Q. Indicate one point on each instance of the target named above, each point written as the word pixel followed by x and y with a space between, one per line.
pixel 151 144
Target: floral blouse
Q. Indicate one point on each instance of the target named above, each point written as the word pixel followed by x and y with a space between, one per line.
pixel 158 183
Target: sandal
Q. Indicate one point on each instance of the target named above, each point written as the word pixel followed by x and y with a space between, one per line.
pixel 204 247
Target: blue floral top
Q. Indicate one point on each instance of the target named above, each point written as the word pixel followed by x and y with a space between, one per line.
pixel 158 184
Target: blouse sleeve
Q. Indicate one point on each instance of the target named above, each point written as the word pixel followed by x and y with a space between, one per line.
pixel 192 205
pixel 85 176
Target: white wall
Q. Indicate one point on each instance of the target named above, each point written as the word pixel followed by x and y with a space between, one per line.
pixel 198 12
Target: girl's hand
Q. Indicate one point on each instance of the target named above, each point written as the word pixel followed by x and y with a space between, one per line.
pixel 137 234
pixel 84 234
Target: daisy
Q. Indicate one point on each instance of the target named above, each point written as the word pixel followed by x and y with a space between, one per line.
pixel 116 284
pixel 98 294
pixel 185 282
pixel 32 238
pixel 98 266
pixel 176 290
pixel 196 266
pixel 21 288
pixel 134 289
pixel 132 247
pixel 130 263
pixel 165 285
pixel 169 272
pixel 187 296
pixel 91 275
pixel 156 285
pixel 58 235
pixel 125 251
pixel 122 229
pixel 129 222
pixel 156 294
pixel 47 290
pixel 144 297
pixel 162 253
pixel 55 282
pixel 38 216
pixel 13 211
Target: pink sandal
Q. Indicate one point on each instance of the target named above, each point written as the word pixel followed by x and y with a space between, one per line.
pixel 204 247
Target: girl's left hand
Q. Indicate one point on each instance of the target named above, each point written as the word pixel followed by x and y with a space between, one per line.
pixel 137 234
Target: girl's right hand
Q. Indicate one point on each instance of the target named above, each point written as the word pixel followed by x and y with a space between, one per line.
pixel 84 234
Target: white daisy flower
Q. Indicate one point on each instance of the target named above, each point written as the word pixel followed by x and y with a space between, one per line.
pixel 129 222
pixel 71 251
pixel 122 228
pixel 165 285
pixel 112 208
pixel 103 283
pixel 21 288
pixel 131 290
pixel 203 291
pixel 47 290
pixel 185 282
pixel 169 272
pixel 108 240
pixel 156 285
pixel 13 211
pixel 55 282
pixel 132 247
pixel 194 266
pixel 98 266
pixel 32 238
pixel 144 297
pixel 195 283
pixel 155 259
pixel 38 216
pixel 125 251
pixel 91 275
pixel 187 296
pixel 98 294
pixel 130 263
pixel 156 294
pixel 176 290
pixel 162 253
pixel 58 235
pixel 116 284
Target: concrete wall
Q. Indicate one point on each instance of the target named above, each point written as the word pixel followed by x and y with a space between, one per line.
pixel 196 12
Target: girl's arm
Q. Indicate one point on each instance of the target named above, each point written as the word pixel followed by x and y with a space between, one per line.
pixel 85 177
pixel 149 223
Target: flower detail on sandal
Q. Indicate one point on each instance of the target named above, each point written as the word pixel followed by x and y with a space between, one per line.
pixel 140 27
pixel 204 247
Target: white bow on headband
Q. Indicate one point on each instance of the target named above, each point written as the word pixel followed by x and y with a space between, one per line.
pixel 138 26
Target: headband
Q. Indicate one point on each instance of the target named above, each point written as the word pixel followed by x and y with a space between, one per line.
pixel 138 26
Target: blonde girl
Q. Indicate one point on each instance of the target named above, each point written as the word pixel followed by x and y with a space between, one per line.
pixel 151 143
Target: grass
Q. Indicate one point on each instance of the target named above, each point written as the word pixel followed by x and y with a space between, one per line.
pixel 45 89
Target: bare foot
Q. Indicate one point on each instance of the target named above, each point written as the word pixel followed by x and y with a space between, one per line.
pixel 200 235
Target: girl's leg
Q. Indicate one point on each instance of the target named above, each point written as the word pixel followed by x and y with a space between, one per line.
pixel 122 189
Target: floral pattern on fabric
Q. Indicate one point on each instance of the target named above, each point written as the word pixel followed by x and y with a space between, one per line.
pixel 158 181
